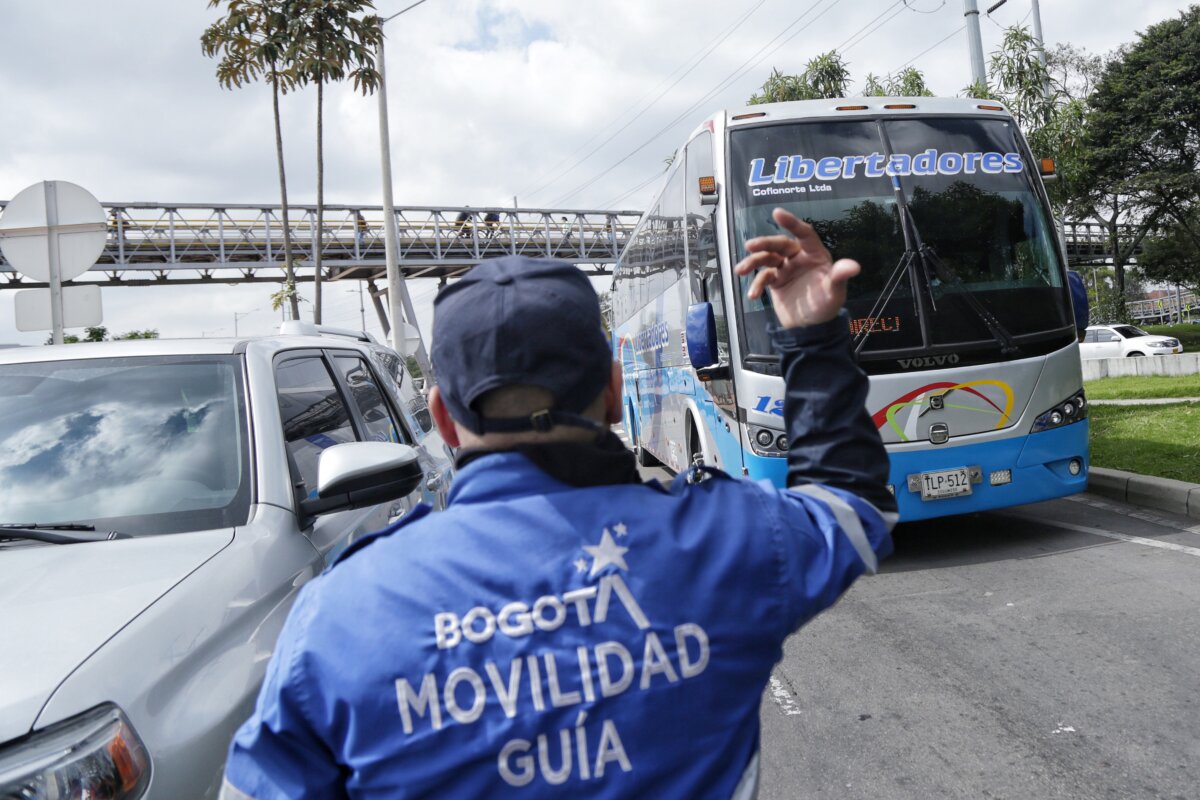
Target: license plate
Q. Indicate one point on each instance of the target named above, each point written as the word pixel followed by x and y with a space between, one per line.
pixel 946 483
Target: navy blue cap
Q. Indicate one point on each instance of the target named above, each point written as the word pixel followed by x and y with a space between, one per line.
pixel 520 321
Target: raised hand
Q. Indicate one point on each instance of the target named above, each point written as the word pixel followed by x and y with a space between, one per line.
pixel 807 287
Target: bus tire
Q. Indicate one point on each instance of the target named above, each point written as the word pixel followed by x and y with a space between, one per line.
pixel 694 449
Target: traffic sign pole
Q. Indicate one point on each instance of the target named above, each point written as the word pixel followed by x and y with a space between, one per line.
pixel 53 258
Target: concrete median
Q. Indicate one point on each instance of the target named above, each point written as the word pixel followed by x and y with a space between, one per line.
pixel 1164 494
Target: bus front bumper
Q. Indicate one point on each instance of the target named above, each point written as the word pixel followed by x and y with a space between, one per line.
pixel 1039 465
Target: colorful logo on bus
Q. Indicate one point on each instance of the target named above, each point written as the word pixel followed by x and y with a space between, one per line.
pixel 983 396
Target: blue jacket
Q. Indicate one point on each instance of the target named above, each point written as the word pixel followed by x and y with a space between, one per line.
pixel 542 639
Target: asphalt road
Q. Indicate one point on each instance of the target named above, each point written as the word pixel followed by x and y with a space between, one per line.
pixel 1048 651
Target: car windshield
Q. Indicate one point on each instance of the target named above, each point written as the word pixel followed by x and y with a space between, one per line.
pixel 1129 332
pixel 138 445
pixel 972 204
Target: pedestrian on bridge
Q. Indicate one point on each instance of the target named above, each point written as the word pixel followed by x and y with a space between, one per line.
pixel 564 628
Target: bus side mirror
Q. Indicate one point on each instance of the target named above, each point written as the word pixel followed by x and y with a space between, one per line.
pixel 701 335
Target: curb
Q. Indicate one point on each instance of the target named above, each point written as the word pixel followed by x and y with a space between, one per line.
pixel 1164 494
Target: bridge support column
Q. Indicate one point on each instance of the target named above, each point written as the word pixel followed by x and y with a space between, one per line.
pixel 378 303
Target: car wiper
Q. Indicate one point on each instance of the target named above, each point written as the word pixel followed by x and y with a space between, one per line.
pixel 65 533
pixel 946 274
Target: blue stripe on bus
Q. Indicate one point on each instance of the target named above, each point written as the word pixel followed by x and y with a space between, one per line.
pixel 1038 463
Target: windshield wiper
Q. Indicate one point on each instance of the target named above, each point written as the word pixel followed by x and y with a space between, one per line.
pixel 65 533
pixel 885 297
pixel 946 274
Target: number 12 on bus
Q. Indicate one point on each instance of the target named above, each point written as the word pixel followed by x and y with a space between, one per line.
pixel 961 317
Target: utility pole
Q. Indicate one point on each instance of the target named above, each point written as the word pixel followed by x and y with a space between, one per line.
pixel 397 290
pixel 1041 43
pixel 975 42
pixel 238 315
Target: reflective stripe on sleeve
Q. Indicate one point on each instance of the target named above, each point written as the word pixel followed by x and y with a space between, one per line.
pixel 231 792
pixel 747 787
pixel 847 518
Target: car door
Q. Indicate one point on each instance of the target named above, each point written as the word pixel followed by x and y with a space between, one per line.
pixel 1089 348
pixel 317 412
pixel 379 421
pixel 1108 344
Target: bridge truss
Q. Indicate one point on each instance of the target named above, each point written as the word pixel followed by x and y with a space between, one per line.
pixel 156 244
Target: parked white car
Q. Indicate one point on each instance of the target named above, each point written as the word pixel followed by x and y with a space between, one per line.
pixel 161 504
pixel 1119 341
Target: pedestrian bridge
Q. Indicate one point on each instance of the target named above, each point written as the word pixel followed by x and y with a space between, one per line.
pixel 151 243
pixel 156 243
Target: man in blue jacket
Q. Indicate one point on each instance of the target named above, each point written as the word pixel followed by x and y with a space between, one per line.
pixel 562 628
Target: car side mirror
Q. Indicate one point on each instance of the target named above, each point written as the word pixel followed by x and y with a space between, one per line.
pixel 701 336
pixel 359 474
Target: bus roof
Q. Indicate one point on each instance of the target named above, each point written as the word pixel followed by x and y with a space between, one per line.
pixel 841 107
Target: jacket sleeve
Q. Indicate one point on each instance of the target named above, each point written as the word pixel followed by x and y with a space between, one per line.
pixel 835 518
pixel 278 754
pixel 831 439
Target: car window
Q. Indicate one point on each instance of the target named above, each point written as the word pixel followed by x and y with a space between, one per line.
pixel 1129 332
pixel 1089 337
pixel 313 412
pixel 1106 336
pixel 381 425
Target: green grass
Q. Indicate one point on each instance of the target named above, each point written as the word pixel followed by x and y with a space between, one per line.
pixel 1187 334
pixel 1141 387
pixel 1152 440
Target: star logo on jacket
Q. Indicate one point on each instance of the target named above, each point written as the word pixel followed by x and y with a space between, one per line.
pixel 620 530
pixel 605 553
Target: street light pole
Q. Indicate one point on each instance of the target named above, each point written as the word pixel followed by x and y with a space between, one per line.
pixel 975 42
pixel 397 289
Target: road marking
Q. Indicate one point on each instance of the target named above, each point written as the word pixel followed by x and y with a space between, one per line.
pixel 1123 537
pixel 1126 511
pixel 783 698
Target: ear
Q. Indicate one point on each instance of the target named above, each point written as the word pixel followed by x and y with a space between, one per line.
pixel 612 396
pixel 441 417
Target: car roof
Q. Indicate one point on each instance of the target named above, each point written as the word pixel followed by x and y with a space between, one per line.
pixel 175 347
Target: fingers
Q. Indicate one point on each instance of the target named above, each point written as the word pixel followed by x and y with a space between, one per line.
pixel 764 258
pixel 806 237
pixel 844 270
pixel 761 281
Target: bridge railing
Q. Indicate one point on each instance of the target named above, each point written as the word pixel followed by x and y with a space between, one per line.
pixel 163 239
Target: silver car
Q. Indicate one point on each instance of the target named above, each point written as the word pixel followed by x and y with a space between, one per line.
pixel 162 504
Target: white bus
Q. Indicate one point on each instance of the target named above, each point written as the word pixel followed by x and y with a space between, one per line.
pixel 961 317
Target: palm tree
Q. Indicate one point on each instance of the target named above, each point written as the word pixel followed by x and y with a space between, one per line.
pixel 253 40
pixel 331 43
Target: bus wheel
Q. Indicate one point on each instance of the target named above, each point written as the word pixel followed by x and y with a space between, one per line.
pixel 695 453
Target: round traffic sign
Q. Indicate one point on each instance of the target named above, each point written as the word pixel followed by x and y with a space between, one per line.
pixel 52 216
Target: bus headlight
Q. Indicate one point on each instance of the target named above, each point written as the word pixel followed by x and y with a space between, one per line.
pixel 768 441
pixel 1073 409
pixel 96 754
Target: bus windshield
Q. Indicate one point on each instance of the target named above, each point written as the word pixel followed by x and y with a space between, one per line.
pixel 979 239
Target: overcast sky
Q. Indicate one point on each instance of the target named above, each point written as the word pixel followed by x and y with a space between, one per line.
pixel 489 99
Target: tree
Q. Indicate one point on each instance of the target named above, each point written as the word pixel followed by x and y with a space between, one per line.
pixel 1172 256
pixel 149 333
pixel 329 43
pixel 1143 134
pixel 1021 81
pixel 824 76
pixel 908 82
pixel 253 41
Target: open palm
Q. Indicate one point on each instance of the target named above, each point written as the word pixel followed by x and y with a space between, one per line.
pixel 807 286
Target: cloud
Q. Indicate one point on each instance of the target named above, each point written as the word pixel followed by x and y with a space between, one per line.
pixel 489 99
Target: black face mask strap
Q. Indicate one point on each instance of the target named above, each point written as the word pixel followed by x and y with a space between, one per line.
pixel 541 421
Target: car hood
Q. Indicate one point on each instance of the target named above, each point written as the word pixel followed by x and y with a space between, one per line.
pixel 62 602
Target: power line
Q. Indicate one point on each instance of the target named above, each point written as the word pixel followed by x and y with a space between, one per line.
pixel 842 46
pixel 634 190
pixel 754 60
pixel 698 58
pixel 938 43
